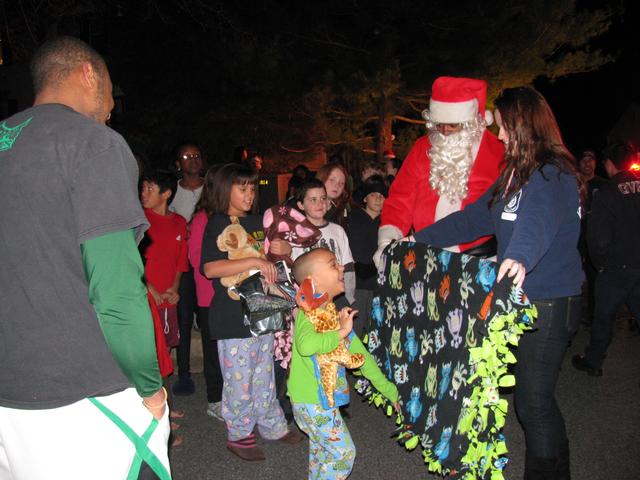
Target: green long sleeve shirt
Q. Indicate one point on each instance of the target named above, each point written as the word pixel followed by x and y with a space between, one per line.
pixel 114 272
pixel 302 385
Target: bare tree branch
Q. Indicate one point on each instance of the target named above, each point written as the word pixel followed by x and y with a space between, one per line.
pixel 408 120
pixel 331 43
pixel 322 142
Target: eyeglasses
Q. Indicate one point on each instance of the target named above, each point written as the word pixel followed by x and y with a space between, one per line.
pixel 449 127
pixel 190 156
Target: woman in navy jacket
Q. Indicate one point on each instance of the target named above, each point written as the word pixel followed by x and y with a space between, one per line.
pixel 533 209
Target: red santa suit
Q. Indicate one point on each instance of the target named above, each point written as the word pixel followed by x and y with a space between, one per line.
pixel 412 201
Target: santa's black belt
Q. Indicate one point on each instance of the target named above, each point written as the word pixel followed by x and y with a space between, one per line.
pixel 484 250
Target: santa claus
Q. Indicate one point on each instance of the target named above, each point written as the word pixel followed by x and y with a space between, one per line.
pixel 447 169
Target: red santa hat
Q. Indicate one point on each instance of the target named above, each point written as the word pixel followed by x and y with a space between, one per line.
pixel 389 154
pixel 458 100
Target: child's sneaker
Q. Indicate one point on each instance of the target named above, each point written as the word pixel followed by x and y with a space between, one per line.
pixel 214 409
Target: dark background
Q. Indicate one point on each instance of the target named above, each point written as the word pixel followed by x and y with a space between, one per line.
pixel 291 79
pixel 588 105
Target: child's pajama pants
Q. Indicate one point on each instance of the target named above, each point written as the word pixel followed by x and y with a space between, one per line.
pixel 249 393
pixel 331 449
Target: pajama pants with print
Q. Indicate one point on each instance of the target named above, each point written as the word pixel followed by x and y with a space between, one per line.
pixel 249 393
pixel 331 449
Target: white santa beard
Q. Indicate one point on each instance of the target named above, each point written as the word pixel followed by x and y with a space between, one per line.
pixel 451 158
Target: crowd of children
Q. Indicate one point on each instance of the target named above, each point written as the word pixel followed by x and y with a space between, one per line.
pixel 188 210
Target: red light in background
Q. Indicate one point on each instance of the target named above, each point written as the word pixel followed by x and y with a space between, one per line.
pixel 635 167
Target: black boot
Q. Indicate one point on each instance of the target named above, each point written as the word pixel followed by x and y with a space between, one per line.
pixel 536 468
pixel 564 468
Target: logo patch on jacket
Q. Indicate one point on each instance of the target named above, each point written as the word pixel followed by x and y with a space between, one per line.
pixel 8 135
pixel 510 209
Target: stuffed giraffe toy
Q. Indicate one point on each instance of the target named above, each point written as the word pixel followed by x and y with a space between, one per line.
pixel 326 319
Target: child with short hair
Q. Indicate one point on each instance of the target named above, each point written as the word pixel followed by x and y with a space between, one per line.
pixel 331 449
pixel 248 395
pixel 164 249
pixel 312 201
pixel 165 246
pixel 362 228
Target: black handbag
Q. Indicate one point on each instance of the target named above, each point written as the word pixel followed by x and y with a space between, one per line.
pixel 265 312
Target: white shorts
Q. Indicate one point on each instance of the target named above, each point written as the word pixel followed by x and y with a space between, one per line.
pixel 79 441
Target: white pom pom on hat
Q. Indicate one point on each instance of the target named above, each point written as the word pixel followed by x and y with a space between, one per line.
pixel 458 100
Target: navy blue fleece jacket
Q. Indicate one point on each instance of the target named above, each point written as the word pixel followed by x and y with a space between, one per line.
pixel 537 226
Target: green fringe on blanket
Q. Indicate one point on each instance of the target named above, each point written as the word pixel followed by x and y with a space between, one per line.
pixel 485 456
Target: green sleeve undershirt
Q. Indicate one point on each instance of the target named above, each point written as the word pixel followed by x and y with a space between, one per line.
pixel 114 273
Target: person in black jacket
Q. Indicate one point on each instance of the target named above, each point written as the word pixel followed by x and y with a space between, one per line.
pixel 592 182
pixel 613 230
pixel 362 230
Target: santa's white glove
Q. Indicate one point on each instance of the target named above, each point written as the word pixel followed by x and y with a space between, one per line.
pixel 386 235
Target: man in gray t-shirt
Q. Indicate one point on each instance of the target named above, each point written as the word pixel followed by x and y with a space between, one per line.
pixel 79 383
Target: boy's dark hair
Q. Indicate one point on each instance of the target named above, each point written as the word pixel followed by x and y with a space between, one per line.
pixel 164 179
pixel 301 171
pixel 294 184
pixel 588 153
pixel 620 154
pixel 306 186
pixel 220 183
pixel 372 164
pixel 55 59
pixel 375 183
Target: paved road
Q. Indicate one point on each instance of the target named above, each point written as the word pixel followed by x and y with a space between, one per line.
pixel 602 416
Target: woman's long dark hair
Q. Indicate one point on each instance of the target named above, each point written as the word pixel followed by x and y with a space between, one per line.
pixel 534 139
pixel 217 187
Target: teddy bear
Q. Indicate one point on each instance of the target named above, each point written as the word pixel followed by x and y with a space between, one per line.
pixel 238 244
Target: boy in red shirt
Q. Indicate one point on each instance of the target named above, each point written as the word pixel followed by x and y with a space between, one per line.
pixel 165 251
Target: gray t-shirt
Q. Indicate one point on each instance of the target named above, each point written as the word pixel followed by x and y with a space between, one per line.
pixel 185 201
pixel 64 179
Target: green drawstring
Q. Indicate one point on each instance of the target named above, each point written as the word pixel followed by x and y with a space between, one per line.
pixel 143 452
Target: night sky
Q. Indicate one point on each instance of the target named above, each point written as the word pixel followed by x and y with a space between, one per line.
pixel 587 105
pixel 269 74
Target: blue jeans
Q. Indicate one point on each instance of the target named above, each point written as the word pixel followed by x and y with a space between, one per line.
pixel 540 355
pixel 613 288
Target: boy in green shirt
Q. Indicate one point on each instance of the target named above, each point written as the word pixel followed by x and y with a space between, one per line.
pixel 331 449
